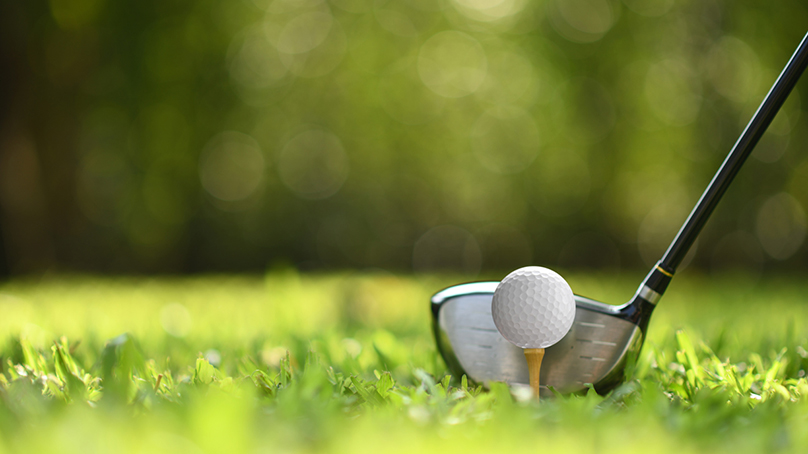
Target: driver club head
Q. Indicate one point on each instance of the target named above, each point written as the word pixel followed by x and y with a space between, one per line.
pixel 602 342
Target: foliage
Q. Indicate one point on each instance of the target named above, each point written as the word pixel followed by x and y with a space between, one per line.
pixel 212 135
pixel 360 382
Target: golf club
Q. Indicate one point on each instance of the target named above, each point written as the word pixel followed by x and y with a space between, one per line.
pixel 604 339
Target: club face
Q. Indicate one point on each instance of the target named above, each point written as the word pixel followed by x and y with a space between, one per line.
pixel 596 350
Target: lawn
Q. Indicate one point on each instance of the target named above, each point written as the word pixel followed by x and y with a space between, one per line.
pixel 291 362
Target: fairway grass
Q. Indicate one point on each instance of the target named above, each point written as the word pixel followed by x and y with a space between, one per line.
pixel 345 363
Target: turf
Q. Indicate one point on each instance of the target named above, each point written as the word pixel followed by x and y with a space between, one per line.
pixel 292 362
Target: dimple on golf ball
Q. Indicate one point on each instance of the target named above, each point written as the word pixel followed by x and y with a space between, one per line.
pixel 533 307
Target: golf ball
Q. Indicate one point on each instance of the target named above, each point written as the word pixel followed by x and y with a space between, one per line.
pixel 533 307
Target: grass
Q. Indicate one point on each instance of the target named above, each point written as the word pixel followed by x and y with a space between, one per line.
pixel 345 363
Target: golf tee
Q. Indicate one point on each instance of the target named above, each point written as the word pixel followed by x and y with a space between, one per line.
pixel 534 357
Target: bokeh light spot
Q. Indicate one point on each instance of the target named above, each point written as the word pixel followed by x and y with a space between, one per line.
pixel 231 166
pixel 176 320
pixel 312 44
pixel 592 115
pixel 75 14
pixel 558 184
pixel 489 10
pixel 405 98
pixel 733 69
pixel 471 194
pixel 354 6
pixel 452 64
pixel 505 139
pixel 313 164
pixel 781 226
pixel 447 247
pixel 649 7
pixel 254 62
pixel 214 357
pixel 279 7
pixel 511 79
pixel 396 23
pixel 305 32
pixel 582 21
pixel 770 148
pixel 673 92
pixel 480 5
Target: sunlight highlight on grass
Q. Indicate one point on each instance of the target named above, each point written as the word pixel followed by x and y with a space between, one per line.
pixel 345 363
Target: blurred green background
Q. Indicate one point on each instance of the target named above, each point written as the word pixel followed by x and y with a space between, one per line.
pixel 413 135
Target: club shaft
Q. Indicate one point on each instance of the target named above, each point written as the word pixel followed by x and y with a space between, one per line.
pixel 732 164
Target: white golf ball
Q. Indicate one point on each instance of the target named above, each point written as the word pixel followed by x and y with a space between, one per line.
pixel 533 307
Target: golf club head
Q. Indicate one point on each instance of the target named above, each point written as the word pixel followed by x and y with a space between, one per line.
pixel 602 342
